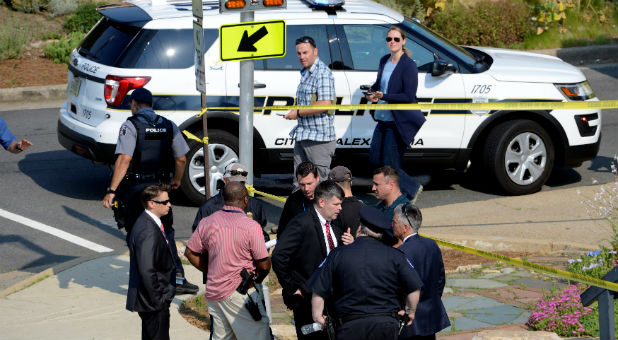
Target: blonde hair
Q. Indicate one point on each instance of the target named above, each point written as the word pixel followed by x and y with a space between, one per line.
pixel 403 37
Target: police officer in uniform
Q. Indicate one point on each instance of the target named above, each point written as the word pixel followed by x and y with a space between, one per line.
pixel 150 150
pixel 367 284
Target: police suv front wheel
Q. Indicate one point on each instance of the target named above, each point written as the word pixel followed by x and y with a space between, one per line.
pixel 519 155
pixel 222 150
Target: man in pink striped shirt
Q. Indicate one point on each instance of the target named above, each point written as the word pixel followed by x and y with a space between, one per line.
pixel 224 244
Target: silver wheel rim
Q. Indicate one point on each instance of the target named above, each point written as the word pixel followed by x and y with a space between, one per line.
pixel 525 158
pixel 220 155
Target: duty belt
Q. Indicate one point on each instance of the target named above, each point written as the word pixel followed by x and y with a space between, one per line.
pixel 347 318
pixel 141 178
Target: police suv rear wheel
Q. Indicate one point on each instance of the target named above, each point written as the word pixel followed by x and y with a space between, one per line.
pixel 519 155
pixel 222 150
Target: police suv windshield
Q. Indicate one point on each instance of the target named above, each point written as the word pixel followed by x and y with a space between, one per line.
pixel 440 42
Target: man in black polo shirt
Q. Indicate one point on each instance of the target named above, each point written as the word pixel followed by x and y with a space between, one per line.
pixel 348 218
pixel 300 200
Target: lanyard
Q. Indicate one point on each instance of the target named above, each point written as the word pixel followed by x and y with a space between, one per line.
pixel 233 211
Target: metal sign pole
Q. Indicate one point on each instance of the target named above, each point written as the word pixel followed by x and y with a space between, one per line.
pixel 246 109
pixel 200 83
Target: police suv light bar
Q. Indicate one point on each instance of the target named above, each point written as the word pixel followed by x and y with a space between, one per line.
pixel 250 5
pixel 326 3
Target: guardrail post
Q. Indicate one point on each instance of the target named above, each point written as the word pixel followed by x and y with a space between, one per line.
pixel 607 323
pixel 607 319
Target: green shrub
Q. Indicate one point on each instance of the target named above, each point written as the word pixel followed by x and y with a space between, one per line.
pixel 29 6
pixel 13 37
pixel 60 51
pixel 84 17
pixel 499 23
pixel 62 7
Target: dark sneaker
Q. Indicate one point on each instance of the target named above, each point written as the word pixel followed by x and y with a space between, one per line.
pixel 186 288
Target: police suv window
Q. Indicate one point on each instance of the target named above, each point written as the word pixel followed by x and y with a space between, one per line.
pixel 367 45
pixel 165 48
pixel 290 60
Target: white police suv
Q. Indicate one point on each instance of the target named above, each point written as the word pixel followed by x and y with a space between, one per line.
pixel 149 44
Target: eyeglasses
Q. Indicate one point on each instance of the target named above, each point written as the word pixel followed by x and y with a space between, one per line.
pixel 305 40
pixel 161 202
pixel 403 211
pixel 397 39
pixel 238 173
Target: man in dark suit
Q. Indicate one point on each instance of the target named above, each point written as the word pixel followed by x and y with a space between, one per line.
pixel 304 244
pixel 152 273
pixel 300 200
pixel 430 316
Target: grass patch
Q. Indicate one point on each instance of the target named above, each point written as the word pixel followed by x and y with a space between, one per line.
pixel 195 311
pixel 580 28
pixel 13 37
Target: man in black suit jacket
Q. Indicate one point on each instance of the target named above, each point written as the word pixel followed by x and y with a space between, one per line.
pixel 152 273
pixel 425 255
pixel 304 244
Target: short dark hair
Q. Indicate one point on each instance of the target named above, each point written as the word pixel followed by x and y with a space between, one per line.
pixel 151 192
pixel 306 39
pixel 327 189
pixel 388 172
pixel 234 193
pixel 305 168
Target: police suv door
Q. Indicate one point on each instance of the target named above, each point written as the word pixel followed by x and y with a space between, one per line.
pixel 440 137
pixel 276 80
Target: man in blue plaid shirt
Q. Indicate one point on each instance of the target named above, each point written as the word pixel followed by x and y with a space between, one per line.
pixel 314 133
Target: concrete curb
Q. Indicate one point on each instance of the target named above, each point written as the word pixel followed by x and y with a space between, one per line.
pixel 585 55
pixel 34 93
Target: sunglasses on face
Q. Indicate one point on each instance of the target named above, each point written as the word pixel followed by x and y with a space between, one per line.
pixel 238 172
pixel 161 202
pixel 397 39
pixel 305 40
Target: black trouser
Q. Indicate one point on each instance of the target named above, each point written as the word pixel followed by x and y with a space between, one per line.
pixel 302 316
pixel 371 327
pixel 156 325
pixel 131 198
pixel 420 337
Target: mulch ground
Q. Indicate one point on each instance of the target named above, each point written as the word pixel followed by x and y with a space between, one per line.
pixel 31 71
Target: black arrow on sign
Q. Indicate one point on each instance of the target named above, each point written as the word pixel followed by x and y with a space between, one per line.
pixel 246 43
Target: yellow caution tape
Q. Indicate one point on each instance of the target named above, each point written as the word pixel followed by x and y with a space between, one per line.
pixel 253 191
pixel 202 112
pixel 195 138
pixel 579 105
pixel 533 266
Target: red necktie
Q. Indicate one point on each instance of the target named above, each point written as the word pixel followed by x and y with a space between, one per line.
pixel 331 244
pixel 163 231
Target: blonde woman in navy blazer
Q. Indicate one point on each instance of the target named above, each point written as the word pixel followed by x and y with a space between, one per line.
pixel 396 83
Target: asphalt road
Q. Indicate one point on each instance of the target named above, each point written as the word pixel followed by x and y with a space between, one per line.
pixel 56 188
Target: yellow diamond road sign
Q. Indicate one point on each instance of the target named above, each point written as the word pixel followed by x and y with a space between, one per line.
pixel 252 40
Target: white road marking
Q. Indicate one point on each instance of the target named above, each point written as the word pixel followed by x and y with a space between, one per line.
pixel 55 231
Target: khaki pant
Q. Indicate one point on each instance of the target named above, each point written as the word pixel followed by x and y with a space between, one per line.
pixel 232 320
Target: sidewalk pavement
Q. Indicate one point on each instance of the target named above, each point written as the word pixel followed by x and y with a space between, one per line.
pixel 483 302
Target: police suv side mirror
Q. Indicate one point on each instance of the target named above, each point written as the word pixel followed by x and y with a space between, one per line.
pixel 441 67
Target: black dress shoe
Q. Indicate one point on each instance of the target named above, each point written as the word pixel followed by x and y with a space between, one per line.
pixel 186 288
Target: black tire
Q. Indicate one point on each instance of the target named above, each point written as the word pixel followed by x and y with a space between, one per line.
pixel 519 156
pixel 223 146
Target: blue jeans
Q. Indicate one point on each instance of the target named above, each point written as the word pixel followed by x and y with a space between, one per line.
pixel 387 148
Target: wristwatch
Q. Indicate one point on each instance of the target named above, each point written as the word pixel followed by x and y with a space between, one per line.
pixel 110 191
